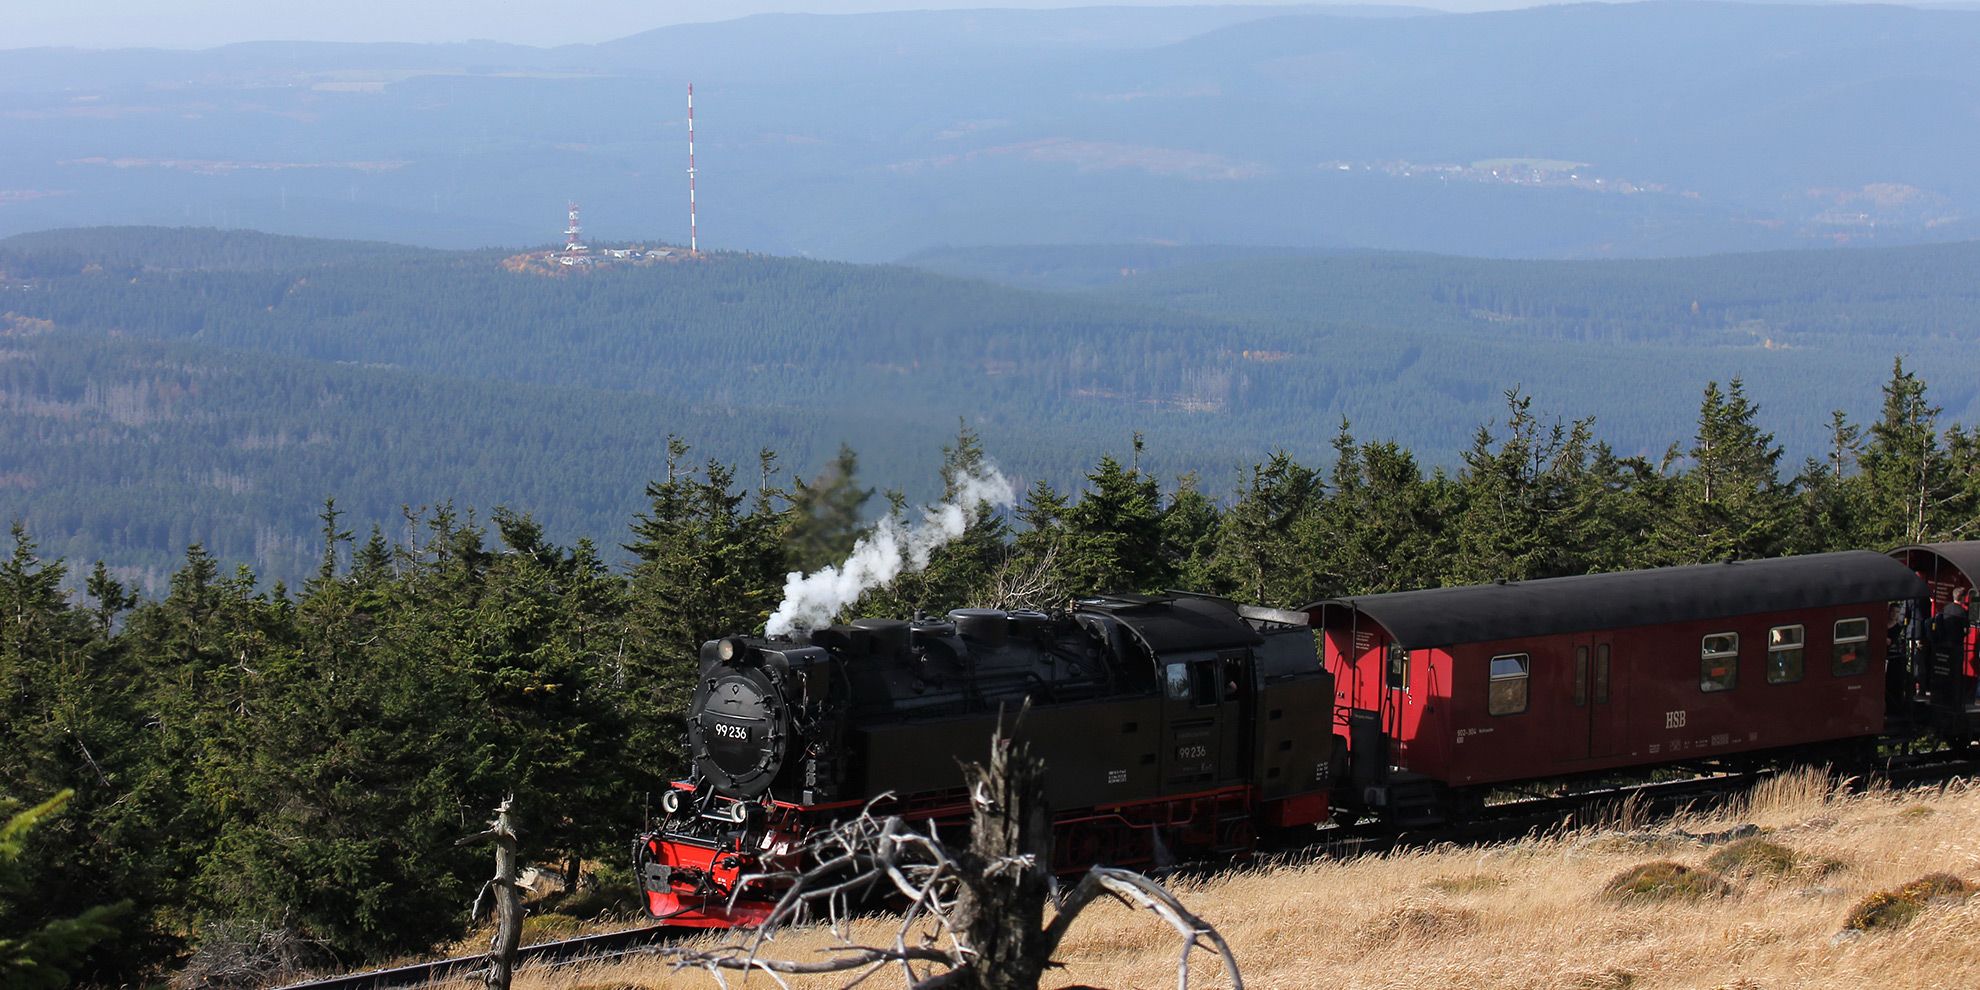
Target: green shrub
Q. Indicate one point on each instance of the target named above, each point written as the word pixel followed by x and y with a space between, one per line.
pixel 1889 909
pixel 1663 880
pixel 549 927
pixel 1753 857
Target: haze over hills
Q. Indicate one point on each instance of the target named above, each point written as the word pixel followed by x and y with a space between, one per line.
pixel 159 387
pixel 1578 131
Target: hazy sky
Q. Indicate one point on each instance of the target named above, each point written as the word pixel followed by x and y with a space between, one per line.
pixel 203 23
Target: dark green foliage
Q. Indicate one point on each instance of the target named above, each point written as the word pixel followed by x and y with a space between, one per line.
pixel 1259 554
pixel 1753 857
pixel 829 514
pixel 1907 478
pixel 1113 533
pixel 1664 880
pixel 1384 526
pixel 37 953
pixel 1730 504
pixel 1889 909
pixel 1520 496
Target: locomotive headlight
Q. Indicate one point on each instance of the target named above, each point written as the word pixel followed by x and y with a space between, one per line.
pixel 728 650
pixel 670 802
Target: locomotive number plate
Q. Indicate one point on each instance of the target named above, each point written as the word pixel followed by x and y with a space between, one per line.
pixel 727 731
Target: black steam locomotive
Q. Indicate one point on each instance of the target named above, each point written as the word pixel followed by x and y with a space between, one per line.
pixel 1170 726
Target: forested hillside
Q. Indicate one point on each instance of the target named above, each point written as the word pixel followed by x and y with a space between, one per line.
pixel 164 387
pixel 1893 297
pixel 267 776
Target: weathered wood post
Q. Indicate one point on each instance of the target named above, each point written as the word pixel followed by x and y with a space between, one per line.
pixel 508 898
pixel 1006 872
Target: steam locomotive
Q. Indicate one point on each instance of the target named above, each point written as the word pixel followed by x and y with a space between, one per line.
pixel 1185 726
pixel 1171 726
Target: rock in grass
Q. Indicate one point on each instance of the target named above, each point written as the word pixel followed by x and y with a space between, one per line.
pixel 1663 880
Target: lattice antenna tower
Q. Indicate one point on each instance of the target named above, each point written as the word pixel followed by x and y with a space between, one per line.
pixel 694 241
pixel 574 233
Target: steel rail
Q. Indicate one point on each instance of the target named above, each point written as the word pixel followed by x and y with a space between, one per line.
pixel 585 947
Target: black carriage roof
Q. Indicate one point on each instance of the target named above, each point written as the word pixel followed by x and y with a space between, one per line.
pixel 1963 555
pixel 1489 612
pixel 1180 623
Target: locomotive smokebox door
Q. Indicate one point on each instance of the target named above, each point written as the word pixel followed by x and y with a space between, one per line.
pixel 738 731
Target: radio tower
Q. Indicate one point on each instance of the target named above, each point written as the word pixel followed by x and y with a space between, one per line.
pixel 574 234
pixel 694 245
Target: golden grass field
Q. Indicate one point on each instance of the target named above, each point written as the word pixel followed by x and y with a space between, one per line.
pixel 1533 914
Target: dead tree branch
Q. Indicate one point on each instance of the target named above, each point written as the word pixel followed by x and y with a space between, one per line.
pixel 508 898
pixel 971 919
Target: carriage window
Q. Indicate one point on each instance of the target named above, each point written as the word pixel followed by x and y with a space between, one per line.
pixel 1783 654
pixel 1852 652
pixel 1398 667
pixel 1580 676
pixel 1718 662
pixel 1507 691
pixel 1601 673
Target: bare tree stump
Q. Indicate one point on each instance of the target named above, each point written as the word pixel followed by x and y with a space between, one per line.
pixel 1006 873
pixel 508 899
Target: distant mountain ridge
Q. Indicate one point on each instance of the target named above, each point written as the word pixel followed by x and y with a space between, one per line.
pixel 1593 130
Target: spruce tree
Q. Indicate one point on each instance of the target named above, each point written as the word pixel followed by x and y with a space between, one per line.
pixel 1520 493
pixel 1259 552
pixel 1731 504
pixel 1907 479
pixel 828 513
pixel 1113 534
pixel 37 954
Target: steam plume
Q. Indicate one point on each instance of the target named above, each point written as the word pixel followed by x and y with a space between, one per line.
pixel 810 600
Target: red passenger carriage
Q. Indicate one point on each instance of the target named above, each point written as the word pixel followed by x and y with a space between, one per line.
pixel 1442 694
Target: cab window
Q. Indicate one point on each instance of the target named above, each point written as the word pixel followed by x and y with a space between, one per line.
pixel 1506 691
pixel 1176 681
pixel 1851 655
pixel 1203 683
pixel 1718 662
pixel 1784 653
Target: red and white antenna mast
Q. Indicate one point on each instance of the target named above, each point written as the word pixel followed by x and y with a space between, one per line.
pixel 574 233
pixel 694 245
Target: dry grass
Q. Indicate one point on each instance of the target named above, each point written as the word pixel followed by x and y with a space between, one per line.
pixel 1533 914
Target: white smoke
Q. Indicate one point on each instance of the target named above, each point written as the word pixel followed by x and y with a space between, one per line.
pixel 811 600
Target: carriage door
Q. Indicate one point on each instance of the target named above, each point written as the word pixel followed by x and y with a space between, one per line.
pixel 1192 723
pixel 1595 681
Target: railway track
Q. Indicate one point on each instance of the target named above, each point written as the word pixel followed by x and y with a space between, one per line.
pixel 1499 823
pixel 586 948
